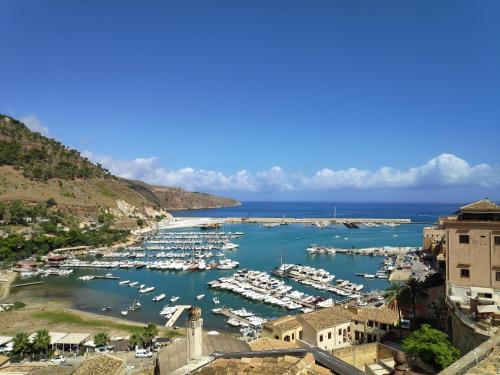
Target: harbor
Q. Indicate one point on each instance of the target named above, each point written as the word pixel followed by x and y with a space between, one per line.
pixel 172 272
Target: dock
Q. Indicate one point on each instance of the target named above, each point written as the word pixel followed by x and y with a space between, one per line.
pixel 26 284
pixel 228 314
pixel 176 315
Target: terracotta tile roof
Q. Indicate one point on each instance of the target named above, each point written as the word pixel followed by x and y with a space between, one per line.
pixel 99 365
pixel 284 324
pixel 484 205
pixel 376 314
pixel 326 318
pixel 268 343
pixel 264 365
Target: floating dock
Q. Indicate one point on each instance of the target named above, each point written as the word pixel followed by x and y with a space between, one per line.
pixel 228 314
pixel 176 315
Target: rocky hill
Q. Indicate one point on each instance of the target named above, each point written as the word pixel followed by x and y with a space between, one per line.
pixel 34 168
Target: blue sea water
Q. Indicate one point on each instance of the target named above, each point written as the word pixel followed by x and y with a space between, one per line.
pixel 417 212
pixel 259 249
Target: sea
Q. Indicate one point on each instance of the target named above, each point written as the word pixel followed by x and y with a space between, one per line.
pixel 260 249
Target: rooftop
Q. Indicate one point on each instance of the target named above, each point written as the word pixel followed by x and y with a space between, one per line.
pixel 376 314
pixel 326 318
pixel 484 205
pixel 268 343
pixel 103 364
pixel 265 365
pixel 283 324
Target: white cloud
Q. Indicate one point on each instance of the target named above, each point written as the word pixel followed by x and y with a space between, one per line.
pixel 35 124
pixel 445 170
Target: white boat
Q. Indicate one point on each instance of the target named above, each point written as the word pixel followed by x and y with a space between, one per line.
pixel 233 322
pixel 229 246
pixel 142 286
pixel 124 282
pixel 147 290
pixel 227 264
pixel 159 297
pixel 326 303
pixel 124 312
pixel 217 310
pixel 174 299
pixel 134 283
pixel 200 296
pixel 215 300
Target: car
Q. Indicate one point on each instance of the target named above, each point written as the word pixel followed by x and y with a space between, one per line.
pixel 143 353
pixel 58 359
pixel 101 349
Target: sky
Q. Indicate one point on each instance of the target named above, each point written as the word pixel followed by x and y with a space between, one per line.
pixel 267 100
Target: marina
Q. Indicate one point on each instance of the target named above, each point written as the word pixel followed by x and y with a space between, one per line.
pixel 173 273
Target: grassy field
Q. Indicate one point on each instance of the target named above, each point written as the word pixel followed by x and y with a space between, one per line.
pixel 69 318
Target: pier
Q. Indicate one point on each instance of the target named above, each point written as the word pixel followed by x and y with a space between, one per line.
pixel 289 220
pixel 26 284
pixel 176 315
pixel 228 314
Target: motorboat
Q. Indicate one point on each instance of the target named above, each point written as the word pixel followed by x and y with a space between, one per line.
pixel 159 297
pixel 174 299
pixel 200 296
pixel 215 300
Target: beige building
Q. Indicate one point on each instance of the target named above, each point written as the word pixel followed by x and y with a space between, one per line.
pixel 371 324
pixel 472 252
pixel 287 328
pixel 327 328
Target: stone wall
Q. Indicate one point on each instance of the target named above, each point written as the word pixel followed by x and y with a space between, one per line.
pixel 359 355
pixel 464 336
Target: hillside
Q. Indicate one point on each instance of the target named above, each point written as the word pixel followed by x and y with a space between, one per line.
pixel 34 168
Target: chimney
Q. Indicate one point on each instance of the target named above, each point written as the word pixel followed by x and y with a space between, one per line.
pixel 194 334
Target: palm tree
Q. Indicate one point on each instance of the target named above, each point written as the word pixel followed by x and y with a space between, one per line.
pixel 416 292
pixel 149 333
pixel 41 342
pixel 21 343
pixel 101 339
pixel 394 295
pixel 135 340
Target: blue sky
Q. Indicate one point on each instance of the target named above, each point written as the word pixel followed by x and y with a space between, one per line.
pixel 267 99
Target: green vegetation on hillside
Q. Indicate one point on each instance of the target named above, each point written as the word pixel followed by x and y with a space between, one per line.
pixel 42 158
pixel 47 233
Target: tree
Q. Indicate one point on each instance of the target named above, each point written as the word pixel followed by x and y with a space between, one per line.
pixel 432 346
pixel 135 340
pixel 395 298
pixel 101 339
pixel 414 291
pixel 149 333
pixel 21 343
pixel 41 342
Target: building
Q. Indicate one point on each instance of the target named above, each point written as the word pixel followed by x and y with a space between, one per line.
pixel 287 328
pixel 472 251
pixel 371 324
pixel 327 328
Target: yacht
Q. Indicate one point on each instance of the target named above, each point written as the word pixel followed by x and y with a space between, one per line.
pixel 215 300
pixel 147 290
pixel 124 282
pixel 229 246
pixel 227 264
pixel 233 322
pixel 159 297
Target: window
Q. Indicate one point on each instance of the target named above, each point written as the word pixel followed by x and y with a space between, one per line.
pixel 277 337
pixel 293 336
pixel 497 240
pixel 497 276
pixel 329 335
pixel 320 338
pixel 463 238
pixel 340 331
pixel 465 273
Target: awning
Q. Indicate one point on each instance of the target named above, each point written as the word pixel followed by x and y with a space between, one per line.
pixel 74 338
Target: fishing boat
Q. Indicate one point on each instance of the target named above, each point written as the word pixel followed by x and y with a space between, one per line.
pixel 215 300
pixel 159 297
pixel 174 299
pixel 200 296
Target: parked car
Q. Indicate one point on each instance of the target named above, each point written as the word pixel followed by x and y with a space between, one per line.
pixel 143 353
pixel 58 359
pixel 101 349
